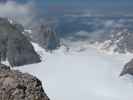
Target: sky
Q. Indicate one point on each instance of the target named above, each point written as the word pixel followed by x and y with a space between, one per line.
pixel 92 3
pixel 107 5
pixel 85 4
pixel 112 3
pixel 81 3
pixel 25 8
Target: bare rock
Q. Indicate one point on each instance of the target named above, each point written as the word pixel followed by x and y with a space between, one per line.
pixel 15 85
pixel 46 37
pixel 128 68
pixel 15 46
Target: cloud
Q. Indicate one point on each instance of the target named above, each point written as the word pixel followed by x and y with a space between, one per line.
pixel 22 13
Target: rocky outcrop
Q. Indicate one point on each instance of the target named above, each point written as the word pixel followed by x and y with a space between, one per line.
pixel 15 85
pixel 128 68
pixel 120 42
pixel 45 37
pixel 14 46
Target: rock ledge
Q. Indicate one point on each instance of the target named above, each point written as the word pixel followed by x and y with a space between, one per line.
pixel 15 85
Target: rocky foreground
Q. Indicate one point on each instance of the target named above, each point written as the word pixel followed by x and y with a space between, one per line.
pixel 15 85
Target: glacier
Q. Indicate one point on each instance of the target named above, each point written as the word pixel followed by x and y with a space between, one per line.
pixel 82 75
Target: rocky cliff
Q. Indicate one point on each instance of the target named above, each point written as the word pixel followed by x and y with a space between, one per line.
pixel 14 46
pixel 15 85
pixel 46 37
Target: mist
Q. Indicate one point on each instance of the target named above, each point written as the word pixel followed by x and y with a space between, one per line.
pixel 20 13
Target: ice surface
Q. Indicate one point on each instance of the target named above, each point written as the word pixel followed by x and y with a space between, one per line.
pixel 84 75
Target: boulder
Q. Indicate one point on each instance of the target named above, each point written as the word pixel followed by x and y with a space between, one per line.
pixel 15 85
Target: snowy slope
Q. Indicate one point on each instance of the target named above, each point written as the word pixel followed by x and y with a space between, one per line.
pixel 84 75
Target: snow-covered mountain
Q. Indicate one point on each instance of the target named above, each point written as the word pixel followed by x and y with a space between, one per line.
pixel 82 70
pixel 120 42
pixel 107 33
pixel 78 67
pixel 81 52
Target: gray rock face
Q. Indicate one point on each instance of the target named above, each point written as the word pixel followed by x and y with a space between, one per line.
pixel 128 68
pixel 15 85
pixel 14 46
pixel 122 41
pixel 46 37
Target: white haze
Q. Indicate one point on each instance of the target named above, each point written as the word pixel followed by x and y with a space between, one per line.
pixel 22 13
pixel 82 75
